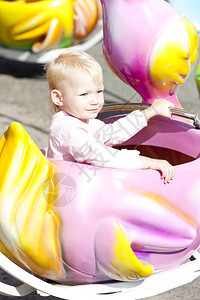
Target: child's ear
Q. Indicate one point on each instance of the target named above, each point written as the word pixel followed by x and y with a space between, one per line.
pixel 56 97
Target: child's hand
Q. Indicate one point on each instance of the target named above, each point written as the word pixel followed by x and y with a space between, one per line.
pixel 166 169
pixel 160 107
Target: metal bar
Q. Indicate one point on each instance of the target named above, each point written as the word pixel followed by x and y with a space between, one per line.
pixel 134 106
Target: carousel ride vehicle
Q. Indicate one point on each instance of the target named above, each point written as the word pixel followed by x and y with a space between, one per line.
pixel 68 228
pixel 35 31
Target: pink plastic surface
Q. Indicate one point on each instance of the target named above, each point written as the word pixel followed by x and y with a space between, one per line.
pixel 162 221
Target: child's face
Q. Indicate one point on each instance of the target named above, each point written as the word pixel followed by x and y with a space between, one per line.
pixel 81 96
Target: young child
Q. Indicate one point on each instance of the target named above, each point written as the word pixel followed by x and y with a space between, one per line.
pixel 76 91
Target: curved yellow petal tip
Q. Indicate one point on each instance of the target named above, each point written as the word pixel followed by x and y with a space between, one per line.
pixel 29 225
pixel 124 261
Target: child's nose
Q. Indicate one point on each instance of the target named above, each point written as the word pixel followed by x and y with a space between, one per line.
pixel 94 100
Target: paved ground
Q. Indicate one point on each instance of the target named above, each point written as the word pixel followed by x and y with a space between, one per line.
pixel 26 99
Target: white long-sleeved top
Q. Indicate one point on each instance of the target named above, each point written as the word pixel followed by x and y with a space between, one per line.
pixel 73 140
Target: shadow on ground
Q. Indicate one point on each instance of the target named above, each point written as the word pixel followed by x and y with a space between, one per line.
pixel 20 69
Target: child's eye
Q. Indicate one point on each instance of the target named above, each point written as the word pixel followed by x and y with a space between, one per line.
pixel 100 91
pixel 84 94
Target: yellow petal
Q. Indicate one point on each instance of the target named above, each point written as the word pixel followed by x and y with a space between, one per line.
pixel 124 261
pixel 29 225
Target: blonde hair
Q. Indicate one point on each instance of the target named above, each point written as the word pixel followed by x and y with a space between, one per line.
pixel 60 67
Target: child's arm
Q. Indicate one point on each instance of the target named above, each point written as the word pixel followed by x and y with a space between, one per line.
pixel 124 128
pixel 160 107
pixel 167 170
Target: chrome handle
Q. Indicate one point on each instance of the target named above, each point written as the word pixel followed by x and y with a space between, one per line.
pixel 182 113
